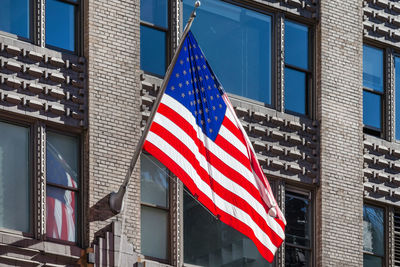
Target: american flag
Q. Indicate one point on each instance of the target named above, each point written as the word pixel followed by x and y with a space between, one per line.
pixel 196 135
pixel 60 223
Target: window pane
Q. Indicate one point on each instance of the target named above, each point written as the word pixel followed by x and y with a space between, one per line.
pixel 62 159
pixel 237 44
pixel 60 24
pixel 397 96
pixel 152 50
pixel 295 91
pixel 372 110
pixel 14 177
pixel 209 242
pixel 154 181
pixel 372 261
pixel 155 12
pixel 295 257
pixel 154 232
pixel 373 68
pixel 298 216
pixel 61 207
pixel 15 17
pixel 296 44
pixel 373 230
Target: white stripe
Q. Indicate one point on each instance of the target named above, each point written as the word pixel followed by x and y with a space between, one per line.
pixel 216 174
pixel 69 214
pixel 203 187
pixel 58 216
pixel 229 136
pixel 216 150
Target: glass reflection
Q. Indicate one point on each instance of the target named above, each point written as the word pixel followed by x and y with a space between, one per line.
pixel 209 242
pixel 295 91
pixel 60 24
pixel 372 261
pixel 152 50
pixel 372 110
pixel 154 181
pixel 297 214
pixel 296 257
pixel 373 230
pixel 296 44
pixel 15 17
pixel 154 12
pixel 237 43
pixel 373 68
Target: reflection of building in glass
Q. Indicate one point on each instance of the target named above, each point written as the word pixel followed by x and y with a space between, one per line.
pixel 314 83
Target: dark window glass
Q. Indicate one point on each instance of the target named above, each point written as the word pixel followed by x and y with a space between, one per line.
pixel 373 68
pixel 295 91
pixel 155 207
pixel 373 89
pixel 14 177
pixel 296 44
pixel 237 44
pixel 372 261
pixel 62 172
pixel 153 50
pixel 296 67
pixel 209 242
pixel 397 96
pixel 15 17
pixel 373 230
pixel 60 24
pixel 298 230
pixel 372 109
pixel 154 12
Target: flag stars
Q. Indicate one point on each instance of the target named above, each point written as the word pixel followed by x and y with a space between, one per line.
pixel 216 118
pixel 209 87
pixel 172 88
pixel 187 59
pixel 210 130
pixel 177 75
pixel 181 62
pixel 180 85
pixel 211 97
pixel 202 89
pixel 204 67
pixel 195 79
pixel 204 100
pixel 187 82
pixel 220 105
pixel 195 112
pixel 206 109
pixel 206 77
pixel 201 78
pixel 198 68
pixel 197 90
pixel 208 120
pixel 196 56
pixel 183 95
pixel 213 107
pixel 185 48
pixel 217 96
pixel 202 122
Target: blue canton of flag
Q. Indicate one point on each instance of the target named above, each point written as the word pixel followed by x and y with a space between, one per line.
pixel 193 84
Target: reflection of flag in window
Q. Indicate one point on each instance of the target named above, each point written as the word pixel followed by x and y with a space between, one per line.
pixel 60 202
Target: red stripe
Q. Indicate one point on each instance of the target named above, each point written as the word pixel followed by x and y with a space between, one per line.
pixel 202 198
pixel 64 226
pixel 51 227
pixel 214 185
pixel 225 169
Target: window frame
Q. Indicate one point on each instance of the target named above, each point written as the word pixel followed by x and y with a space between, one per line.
pixel 370 130
pixel 395 54
pixel 78 26
pixel 79 190
pixel 309 194
pixel 31 177
pixel 169 217
pixel 385 257
pixel 310 72
pixel 168 41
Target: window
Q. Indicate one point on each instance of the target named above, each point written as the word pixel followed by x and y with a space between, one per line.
pixel 298 230
pixel 216 243
pixel 15 211
pixel 15 17
pixel 155 208
pixel 374 236
pixel 397 96
pixel 237 44
pixel 373 89
pixel 153 36
pixel 297 68
pixel 62 176
pixel 61 24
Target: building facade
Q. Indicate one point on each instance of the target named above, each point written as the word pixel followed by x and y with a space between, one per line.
pixel 314 84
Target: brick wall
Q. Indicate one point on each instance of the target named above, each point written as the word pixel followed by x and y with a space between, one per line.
pixel 112 50
pixel 340 196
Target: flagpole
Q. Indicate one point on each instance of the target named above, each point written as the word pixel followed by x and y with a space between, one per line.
pixel 116 199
